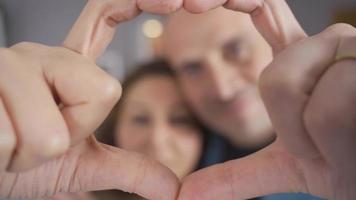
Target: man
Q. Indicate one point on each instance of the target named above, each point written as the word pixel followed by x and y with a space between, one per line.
pixel 296 88
pixel 219 58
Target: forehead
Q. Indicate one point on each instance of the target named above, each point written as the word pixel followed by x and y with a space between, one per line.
pixel 190 34
pixel 154 89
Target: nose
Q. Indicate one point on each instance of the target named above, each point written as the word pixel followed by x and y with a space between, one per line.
pixel 161 141
pixel 223 80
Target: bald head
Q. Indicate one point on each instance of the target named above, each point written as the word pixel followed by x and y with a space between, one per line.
pixel 183 29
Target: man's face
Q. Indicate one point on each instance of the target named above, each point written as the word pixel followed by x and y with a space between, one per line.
pixel 218 57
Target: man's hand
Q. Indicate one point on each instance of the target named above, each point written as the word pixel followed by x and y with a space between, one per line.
pixel 310 96
pixel 71 196
pixel 52 99
pixel 304 76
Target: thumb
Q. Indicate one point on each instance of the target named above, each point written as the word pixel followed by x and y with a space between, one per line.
pixel 91 166
pixel 105 167
pixel 277 24
pixel 266 172
pixel 272 18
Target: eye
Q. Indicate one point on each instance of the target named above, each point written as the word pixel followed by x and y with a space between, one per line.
pixel 236 51
pixel 182 120
pixel 140 120
pixel 193 68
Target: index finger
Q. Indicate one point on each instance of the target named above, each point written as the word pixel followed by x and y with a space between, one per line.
pixel 92 166
pixel 272 18
pixel 95 27
pixel 269 171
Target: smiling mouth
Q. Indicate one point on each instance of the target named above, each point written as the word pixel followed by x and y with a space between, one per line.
pixel 237 104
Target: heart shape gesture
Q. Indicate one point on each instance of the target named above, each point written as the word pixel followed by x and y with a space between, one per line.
pixel 297 89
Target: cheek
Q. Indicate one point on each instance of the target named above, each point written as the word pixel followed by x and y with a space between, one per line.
pixel 194 93
pixel 131 138
pixel 190 145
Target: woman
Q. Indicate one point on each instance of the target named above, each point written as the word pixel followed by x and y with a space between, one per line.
pixel 152 118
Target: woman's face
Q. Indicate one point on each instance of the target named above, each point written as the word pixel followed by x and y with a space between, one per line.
pixel 155 121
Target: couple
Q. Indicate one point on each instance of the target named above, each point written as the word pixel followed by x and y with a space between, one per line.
pixel 295 88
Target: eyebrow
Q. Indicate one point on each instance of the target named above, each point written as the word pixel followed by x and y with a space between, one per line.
pixel 232 41
pixel 135 104
pixel 189 60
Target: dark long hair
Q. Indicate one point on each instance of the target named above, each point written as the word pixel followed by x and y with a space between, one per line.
pixel 106 133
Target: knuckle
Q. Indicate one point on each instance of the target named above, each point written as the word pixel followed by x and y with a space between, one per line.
pixel 126 13
pixel 195 6
pixel 119 11
pixel 110 90
pixel 50 146
pixel 162 7
pixel 32 152
pixel 275 83
pixel 251 7
pixel 7 143
pixel 28 48
pixel 170 6
pixel 24 45
pixel 330 103
pixel 258 4
pixel 55 146
pixel 341 29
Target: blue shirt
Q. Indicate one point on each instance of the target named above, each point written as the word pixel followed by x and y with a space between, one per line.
pixel 291 196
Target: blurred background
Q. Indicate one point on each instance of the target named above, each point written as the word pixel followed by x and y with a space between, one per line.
pixel 48 22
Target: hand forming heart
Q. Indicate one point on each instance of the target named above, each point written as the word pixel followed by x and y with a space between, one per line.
pixel 308 94
pixel 52 99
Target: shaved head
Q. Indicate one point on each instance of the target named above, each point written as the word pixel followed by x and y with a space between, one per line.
pixel 214 26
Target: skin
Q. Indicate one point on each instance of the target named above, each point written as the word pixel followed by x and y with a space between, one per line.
pixel 296 88
pixel 323 169
pixel 156 122
pixel 308 156
pixel 218 66
pixel 52 99
pixel 70 196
